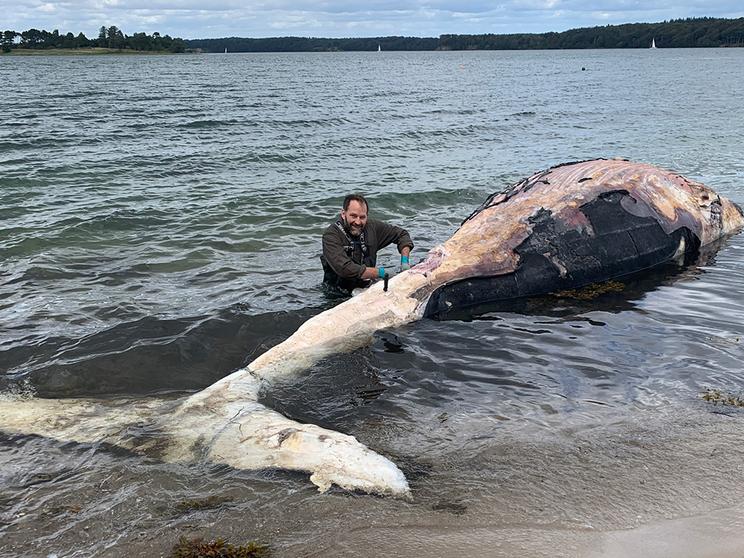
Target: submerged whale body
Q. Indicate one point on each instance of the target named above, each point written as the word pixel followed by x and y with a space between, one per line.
pixel 562 228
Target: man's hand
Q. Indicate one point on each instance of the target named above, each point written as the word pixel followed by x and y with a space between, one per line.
pixel 404 264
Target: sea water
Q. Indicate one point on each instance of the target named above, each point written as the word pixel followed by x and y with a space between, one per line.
pixel 160 222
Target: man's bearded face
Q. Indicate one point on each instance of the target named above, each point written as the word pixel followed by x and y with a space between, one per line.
pixel 355 217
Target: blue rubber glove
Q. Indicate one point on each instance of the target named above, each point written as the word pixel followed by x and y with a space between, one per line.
pixel 404 263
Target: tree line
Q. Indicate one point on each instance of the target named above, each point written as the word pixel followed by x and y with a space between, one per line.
pixel 680 33
pixel 312 44
pixel 690 32
pixel 108 37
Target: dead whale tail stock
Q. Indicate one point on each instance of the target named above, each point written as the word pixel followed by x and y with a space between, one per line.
pixel 562 228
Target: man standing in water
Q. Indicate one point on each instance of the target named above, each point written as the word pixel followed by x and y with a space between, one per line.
pixel 350 247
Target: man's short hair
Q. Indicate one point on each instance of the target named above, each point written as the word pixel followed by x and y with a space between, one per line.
pixel 357 198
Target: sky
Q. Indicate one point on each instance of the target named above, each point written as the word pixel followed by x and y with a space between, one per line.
pixel 198 19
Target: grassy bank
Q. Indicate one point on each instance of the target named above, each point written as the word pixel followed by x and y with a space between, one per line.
pixel 96 51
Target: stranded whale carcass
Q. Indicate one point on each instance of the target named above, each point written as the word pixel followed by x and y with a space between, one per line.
pixel 562 228
pixel 581 223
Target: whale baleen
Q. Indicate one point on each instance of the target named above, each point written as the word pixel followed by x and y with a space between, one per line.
pixel 562 228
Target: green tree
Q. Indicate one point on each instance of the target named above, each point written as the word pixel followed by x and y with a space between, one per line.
pixel 81 41
pixel 7 40
pixel 139 41
pixel 178 45
pixel 115 37
pixel 68 41
pixel 32 38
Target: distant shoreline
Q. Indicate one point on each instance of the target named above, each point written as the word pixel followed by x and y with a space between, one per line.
pixel 93 51
pixel 30 53
pixel 688 33
pixel 704 32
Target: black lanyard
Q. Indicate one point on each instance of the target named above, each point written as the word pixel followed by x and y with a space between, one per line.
pixel 362 242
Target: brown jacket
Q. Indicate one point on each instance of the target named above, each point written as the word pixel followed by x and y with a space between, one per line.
pixel 345 258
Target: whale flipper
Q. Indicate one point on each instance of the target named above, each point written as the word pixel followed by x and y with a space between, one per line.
pixel 250 437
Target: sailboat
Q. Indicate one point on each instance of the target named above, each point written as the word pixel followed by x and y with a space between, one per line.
pixel 653 43
pixel 378 48
pixel 225 50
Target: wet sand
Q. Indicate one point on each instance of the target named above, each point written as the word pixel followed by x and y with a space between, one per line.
pixel 663 484
pixel 719 534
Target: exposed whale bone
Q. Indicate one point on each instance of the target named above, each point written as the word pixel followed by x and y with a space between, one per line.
pixel 562 228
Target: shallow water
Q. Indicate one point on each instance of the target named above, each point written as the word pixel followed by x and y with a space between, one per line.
pixel 159 227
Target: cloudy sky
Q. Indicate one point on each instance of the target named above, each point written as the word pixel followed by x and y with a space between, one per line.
pixel 192 19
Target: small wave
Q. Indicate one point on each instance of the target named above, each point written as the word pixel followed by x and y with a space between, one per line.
pixel 468 130
pixel 96 232
pixel 121 220
pixel 74 95
pixel 457 112
pixel 312 122
pixel 194 260
pixel 400 202
pixel 268 158
pixel 238 246
pixel 203 124
pixel 37 143
pixel 44 273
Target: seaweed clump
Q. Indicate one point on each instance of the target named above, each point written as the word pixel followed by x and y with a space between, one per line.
pixel 717 397
pixel 201 504
pixel 218 548
pixel 592 291
pixel 63 510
